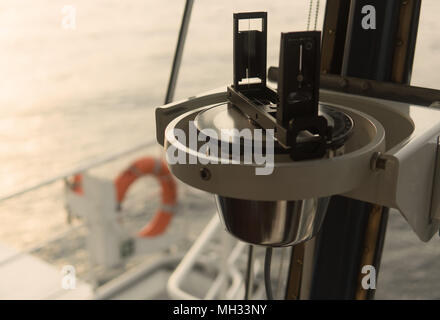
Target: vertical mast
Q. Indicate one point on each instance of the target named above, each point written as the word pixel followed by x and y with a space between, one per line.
pixel 353 232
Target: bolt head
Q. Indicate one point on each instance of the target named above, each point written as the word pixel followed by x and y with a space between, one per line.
pixel 205 174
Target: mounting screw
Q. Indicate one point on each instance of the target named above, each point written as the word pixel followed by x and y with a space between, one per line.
pixel 365 85
pixel 343 83
pixel 309 45
pixel 378 162
pixel 205 174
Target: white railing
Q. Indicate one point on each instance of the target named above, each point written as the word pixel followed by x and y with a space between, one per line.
pixel 79 169
pixel 234 289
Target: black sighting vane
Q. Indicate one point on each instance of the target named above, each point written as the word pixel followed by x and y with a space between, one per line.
pixel 293 111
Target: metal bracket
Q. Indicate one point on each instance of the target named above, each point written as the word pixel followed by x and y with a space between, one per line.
pixel 407 174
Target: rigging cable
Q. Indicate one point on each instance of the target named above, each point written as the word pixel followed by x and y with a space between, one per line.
pixel 280 272
pixel 249 274
pixel 316 14
pixel 309 16
pixel 267 280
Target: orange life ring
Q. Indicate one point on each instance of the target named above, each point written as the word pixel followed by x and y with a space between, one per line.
pixel 139 168
pixel 76 184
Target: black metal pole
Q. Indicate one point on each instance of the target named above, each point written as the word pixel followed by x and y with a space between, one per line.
pixel 179 51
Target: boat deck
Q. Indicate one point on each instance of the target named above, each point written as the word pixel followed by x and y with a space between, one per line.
pixel 23 276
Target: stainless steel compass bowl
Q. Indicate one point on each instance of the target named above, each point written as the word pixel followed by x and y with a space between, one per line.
pixel 272 223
